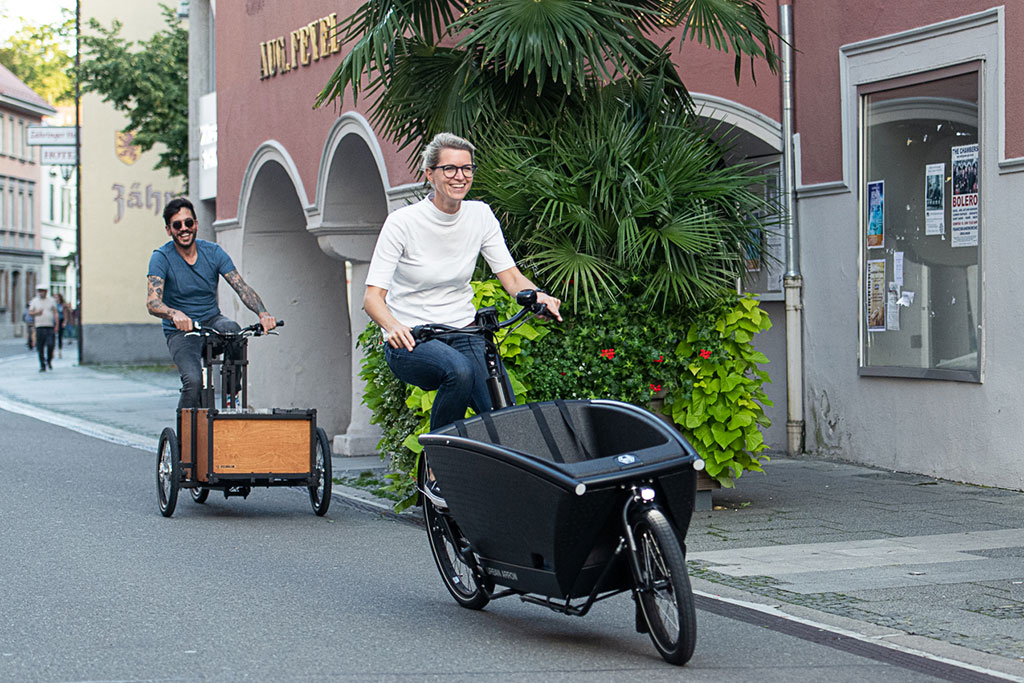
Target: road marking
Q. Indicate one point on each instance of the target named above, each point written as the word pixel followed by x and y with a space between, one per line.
pixel 98 431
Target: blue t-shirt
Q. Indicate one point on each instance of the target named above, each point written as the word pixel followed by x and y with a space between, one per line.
pixel 192 289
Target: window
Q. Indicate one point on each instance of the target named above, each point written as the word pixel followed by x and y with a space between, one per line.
pixel 921 225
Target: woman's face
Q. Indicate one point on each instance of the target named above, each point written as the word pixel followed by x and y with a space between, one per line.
pixel 449 192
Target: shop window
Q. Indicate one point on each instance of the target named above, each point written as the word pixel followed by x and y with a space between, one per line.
pixel 921 226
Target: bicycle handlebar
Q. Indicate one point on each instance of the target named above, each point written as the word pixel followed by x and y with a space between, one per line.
pixel 255 330
pixel 486 319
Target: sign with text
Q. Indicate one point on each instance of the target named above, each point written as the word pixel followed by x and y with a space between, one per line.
pixel 53 155
pixel 51 135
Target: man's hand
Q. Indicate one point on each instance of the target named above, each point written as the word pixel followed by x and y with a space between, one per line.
pixel 181 321
pixel 268 321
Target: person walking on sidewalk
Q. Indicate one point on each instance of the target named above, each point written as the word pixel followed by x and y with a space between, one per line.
pixel 61 322
pixel 182 287
pixel 30 326
pixel 420 273
pixel 44 312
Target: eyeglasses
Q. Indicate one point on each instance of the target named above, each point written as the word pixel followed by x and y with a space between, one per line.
pixel 450 170
pixel 176 225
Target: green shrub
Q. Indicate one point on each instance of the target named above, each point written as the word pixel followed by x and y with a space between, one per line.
pixel 701 365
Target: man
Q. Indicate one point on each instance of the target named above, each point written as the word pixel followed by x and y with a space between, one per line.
pixel 183 276
pixel 44 313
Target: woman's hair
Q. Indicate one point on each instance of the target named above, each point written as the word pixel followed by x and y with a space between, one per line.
pixel 432 152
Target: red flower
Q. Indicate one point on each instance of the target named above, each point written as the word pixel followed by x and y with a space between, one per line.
pixel 659 359
pixel 608 353
pixel 705 354
pixel 655 387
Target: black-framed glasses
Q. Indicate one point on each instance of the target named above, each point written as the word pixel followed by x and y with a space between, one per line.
pixel 450 170
pixel 188 222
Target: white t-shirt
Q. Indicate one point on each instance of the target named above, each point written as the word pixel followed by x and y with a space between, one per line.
pixel 425 258
pixel 48 307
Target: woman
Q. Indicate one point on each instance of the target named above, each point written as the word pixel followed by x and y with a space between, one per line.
pixel 420 273
pixel 60 323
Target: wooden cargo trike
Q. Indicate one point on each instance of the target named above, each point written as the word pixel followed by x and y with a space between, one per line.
pixel 234 448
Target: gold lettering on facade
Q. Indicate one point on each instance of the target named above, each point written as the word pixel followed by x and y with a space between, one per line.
pixel 317 39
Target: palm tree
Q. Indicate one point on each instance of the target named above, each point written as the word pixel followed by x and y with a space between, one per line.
pixel 593 156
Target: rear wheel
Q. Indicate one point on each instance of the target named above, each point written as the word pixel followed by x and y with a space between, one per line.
pixel 663 588
pixel 320 494
pixel 451 554
pixel 200 494
pixel 168 471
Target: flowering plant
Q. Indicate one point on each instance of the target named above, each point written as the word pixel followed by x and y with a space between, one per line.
pixel 701 364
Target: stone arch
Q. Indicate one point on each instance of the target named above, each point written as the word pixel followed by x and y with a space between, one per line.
pixel 754 135
pixel 352 201
pixel 309 364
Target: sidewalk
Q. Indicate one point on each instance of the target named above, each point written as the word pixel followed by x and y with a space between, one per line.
pixel 897 559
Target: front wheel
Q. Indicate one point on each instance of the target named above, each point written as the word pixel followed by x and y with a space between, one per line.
pixel 168 471
pixel 320 493
pixel 451 550
pixel 200 494
pixel 663 588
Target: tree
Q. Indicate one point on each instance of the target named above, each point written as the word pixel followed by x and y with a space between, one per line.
pixel 39 57
pixel 147 81
pixel 581 112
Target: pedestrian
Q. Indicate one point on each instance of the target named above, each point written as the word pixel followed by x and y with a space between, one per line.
pixel 30 326
pixel 44 311
pixel 61 322
pixel 420 273
pixel 182 288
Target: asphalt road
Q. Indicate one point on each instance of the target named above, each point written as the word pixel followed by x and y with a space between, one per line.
pixel 95 585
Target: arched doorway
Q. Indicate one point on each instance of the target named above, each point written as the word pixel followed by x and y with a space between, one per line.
pixel 309 364
pixel 354 205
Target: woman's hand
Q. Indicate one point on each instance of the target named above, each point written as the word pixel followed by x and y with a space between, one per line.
pixel 400 336
pixel 552 303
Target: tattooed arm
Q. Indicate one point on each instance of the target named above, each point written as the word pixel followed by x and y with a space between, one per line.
pixel 156 306
pixel 251 300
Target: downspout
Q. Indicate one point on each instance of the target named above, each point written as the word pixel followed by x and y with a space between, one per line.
pixel 792 280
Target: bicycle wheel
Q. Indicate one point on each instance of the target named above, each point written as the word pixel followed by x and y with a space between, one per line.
pixel 448 545
pixel 200 494
pixel 663 588
pixel 320 494
pixel 168 471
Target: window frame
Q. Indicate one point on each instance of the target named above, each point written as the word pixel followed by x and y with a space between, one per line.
pixel 975 66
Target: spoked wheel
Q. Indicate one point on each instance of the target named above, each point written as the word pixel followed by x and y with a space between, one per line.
pixel 665 596
pixel 168 471
pixel 200 494
pixel 320 494
pixel 448 545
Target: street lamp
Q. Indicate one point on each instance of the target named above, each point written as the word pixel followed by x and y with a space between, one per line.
pixel 57 242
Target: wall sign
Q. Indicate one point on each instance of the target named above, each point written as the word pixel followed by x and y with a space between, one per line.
pixel 310 43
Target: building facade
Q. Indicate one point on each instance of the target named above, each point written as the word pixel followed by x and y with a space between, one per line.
pixel 894 132
pixel 21 255
pixel 122 213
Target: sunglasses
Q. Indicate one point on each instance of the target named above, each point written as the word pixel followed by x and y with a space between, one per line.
pixel 176 225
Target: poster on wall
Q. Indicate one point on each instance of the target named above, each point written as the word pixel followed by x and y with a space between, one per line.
pixel 876 295
pixel 964 204
pixel 934 199
pixel 876 213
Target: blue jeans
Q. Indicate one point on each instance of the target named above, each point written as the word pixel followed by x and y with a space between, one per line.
pixel 455 367
pixel 187 353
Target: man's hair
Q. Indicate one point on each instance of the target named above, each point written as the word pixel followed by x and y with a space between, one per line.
pixel 176 205
pixel 432 152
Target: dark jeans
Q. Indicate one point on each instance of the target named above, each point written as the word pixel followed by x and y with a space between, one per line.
pixel 187 353
pixel 44 345
pixel 455 367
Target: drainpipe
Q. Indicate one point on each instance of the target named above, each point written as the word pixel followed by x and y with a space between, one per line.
pixel 792 280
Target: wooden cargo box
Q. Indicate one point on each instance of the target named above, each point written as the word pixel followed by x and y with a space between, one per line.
pixel 246 444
